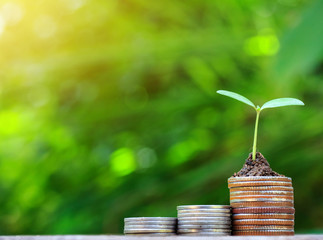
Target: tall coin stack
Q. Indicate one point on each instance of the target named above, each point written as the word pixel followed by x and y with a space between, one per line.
pixel 262 205
pixel 204 220
pixel 152 226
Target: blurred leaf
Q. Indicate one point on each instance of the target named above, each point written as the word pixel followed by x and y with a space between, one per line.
pixel 201 74
pixel 301 48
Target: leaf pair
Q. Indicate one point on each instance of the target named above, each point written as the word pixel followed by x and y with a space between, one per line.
pixel 279 102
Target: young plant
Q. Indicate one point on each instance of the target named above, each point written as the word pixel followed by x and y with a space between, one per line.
pixel 279 102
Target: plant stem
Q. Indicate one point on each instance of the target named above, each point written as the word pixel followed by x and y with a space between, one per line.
pixel 254 148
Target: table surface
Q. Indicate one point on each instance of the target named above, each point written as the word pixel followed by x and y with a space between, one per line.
pixel 123 237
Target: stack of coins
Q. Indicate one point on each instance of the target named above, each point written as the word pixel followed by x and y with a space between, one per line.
pixel 262 205
pixel 163 226
pixel 204 220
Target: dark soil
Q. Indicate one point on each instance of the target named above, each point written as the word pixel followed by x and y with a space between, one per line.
pixel 258 167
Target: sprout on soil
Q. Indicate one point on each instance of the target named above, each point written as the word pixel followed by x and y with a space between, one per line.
pixel 279 102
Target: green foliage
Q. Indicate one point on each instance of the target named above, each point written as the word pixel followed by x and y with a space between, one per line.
pixel 107 108
pixel 279 102
pixel 302 49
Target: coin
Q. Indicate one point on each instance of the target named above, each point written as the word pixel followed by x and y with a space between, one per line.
pixel 259 178
pixel 152 230
pixel 130 229
pixel 205 222
pixel 263 227
pixel 148 230
pixel 197 219
pixel 135 226
pixel 264 232
pixel 263 216
pixel 266 193
pixel 189 230
pixel 290 210
pixel 205 211
pixel 150 225
pixel 150 219
pixel 151 234
pixel 261 196
pixel 261 199
pixel 151 222
pixel 259 183
pixel 262 222
pixel 181 215
pixel 209 226
pixel 262 204
pixel 261 188
pixel 186 207
pixel 206 234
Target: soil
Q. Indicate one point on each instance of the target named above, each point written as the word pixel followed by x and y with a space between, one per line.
pixel 258 167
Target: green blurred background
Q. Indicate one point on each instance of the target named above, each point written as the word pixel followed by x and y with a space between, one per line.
pixel 108 108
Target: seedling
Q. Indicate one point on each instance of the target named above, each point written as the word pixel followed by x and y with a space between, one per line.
pixel 279 102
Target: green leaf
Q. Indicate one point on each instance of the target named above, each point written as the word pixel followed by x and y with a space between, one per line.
pixel 236 96
pixel 281 102
pixel 301 47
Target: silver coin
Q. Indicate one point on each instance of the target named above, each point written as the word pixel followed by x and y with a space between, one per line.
pixel 135 226
pixel 205 222
pixel 205 234
pixel 151 230
pixel 197 219
pixel 150 219
pixel 204 211
pixel 151 222
pixel 210 226
pixel 181 215
pixel 151 234
pixel 148 230
pixel 190 230
pixel 185 207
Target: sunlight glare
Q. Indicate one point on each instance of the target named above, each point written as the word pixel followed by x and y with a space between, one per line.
pixel 2 25
pixel 12 13
pixel 45 26
pixel 75 4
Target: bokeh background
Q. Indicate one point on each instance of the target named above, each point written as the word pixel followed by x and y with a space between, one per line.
pixel 108 108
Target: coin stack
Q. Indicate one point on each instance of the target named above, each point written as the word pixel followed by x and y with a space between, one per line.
pixel 262 205
pixel 204 220
pixel 152 226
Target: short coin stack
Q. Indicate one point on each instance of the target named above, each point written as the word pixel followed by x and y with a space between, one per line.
pixel 262 205
pixel 204 220
pixel 152 226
